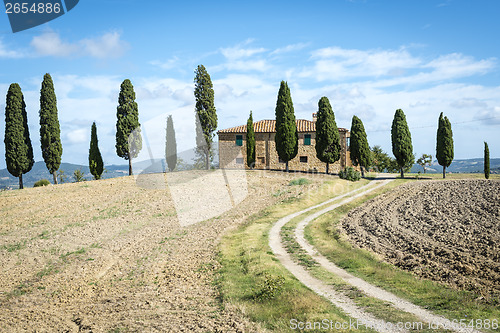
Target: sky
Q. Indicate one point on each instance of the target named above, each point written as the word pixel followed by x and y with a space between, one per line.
pixel 368 57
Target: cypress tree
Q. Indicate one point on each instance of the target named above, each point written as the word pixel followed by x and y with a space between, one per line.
pixel 444 143
pixel 205 111
pixel 170 145
pixel 250 142
pixel 327 134
pixel 287 137
pixel 18 149
pixel 486 161
pixel 360 150
pixel 401 141
pixel 50 134
pixel 128 130
pixel 96 165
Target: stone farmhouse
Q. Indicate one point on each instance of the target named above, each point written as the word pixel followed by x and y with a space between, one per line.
pixel 232 148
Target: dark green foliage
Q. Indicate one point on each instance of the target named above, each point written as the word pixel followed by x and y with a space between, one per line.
pixel 380 159
pixel 360 150
pixel 96 165
pixel 382 162
pixel 41 182
pixel 349 173
pixel 170 145
pixel 50 134
pixel 444 143
pixel 401 141
pixel 424 160
pixel 327 134
pixel 205 113
pixel 18 149
pixel 128 130
pixel 486 161
pixel 250 142
pixel 287 137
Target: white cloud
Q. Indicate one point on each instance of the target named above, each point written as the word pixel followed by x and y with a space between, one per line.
pixel 241 58
pixel 457 65
pixel 6 53
pixel 238 51
pixel 489 116
pixel 246 65
pixel 168 64
pixel 109 45
pixel 50 44
pixel 335 63
pixel 385 68
pixel 78 136
pixel 290 48
pixel 468 103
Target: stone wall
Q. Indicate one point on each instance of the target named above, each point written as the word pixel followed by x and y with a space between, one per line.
pixel 233 156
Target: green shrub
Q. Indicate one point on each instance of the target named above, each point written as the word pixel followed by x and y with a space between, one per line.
pixel 42 182
pixel 350 174
pixel 299 181
pixel 78 176
pixel 269 287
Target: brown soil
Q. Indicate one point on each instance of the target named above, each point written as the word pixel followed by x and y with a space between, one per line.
pixel 447 231
pixel 110 256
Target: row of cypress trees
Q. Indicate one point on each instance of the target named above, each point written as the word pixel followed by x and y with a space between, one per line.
pixel 328 146
pixel 18 149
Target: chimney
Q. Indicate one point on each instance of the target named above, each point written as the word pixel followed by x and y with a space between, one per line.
pixel 314 117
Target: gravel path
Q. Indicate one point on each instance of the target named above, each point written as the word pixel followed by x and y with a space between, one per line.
pixel 337 298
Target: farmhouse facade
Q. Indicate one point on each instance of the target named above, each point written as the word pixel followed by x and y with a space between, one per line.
pixel 233 150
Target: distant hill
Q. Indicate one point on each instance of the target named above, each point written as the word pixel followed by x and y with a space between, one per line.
pixel 39 170
pixel 473 165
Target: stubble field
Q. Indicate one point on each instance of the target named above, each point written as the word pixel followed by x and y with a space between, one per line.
pixel 111 256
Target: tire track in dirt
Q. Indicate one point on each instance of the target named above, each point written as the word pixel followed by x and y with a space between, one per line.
pixel 338 299
pixel 323 289
pixel 367 288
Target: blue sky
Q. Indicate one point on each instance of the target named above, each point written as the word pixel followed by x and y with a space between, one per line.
pixel 368 57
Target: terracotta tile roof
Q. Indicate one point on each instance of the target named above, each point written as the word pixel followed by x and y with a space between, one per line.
pixel 269 126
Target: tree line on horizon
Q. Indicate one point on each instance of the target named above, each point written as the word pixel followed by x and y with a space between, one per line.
pixel 19 151
pixel 328 145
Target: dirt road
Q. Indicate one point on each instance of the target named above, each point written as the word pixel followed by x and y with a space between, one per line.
pixel 338 298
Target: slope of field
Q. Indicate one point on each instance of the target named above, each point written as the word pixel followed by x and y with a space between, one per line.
pixel 109 255
pixel 447 231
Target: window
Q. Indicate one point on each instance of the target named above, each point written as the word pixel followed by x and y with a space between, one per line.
pixel 303 159
pixel 348 142
pixel 261 160
pixel 239 160
pixel 307 139
pixel 239 140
